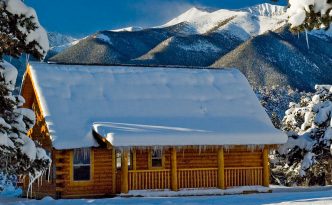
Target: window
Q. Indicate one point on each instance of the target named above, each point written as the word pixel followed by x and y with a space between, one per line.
pixel 156 158
pixel 118 160
pixel 81 164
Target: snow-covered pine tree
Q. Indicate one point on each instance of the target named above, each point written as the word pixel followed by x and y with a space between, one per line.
pixel 306 157
pixel 20 32
pixel 276 99
pixel 306 15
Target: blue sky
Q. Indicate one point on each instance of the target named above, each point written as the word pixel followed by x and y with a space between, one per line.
pixel 83 17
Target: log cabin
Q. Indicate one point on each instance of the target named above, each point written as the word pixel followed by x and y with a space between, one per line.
pixel 113 129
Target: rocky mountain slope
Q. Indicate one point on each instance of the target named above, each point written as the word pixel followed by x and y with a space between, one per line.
pixel 109 47
pixel 266 9
pixel 59 42
pixel 195 38
pixel 282 58
pixel 254 39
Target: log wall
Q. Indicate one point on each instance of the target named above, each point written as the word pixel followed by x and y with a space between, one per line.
pixel 240 156
pixel 237 156
pixel 101 182
pixel 39 133
pixel 195 158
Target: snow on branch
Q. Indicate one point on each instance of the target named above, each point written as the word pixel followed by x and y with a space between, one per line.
pixel 34 32
pixel 307 151
pixel 309 14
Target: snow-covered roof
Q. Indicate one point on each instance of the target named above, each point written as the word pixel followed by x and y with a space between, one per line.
pixel 136 106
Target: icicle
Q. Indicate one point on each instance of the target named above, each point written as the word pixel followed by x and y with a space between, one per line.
pixel 32 179
pixel 27 57
pixel 227 147
pixel 306 38
pixel 42 177
pixel 49 172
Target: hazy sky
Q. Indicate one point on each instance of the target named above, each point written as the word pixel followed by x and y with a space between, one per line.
pixel 83 17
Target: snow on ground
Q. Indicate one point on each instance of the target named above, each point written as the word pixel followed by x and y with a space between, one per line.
pixel 318 196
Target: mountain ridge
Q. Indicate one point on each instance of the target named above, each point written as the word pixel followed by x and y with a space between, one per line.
pixel 216 38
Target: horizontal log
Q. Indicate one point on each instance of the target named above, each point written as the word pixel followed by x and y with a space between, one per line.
pixel 61 172
pixel 151 170
pixel 61 164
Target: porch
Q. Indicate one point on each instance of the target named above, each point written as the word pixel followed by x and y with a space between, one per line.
pixel 130 177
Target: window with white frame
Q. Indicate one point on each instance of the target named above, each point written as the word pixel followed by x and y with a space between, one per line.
pixel 82 164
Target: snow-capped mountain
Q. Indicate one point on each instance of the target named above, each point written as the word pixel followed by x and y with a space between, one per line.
pixel 128 29
pixel 220 29
pixel 243 24
pixel 59 42
pixel 221 38
pixel 58 39
pixel 266 9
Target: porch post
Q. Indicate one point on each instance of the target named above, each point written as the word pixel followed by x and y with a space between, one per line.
pixel 221 169
pixel 174 176
pixel 124 171
pixel 266 167
pixel 134 177
pixel 113 171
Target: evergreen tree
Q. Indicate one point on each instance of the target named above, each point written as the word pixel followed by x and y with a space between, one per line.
pixel 310 14
pixel 276 99
pixel 20 32
pixel 306 157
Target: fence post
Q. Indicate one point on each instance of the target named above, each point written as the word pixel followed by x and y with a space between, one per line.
pixel 221 169
pixel 174 174
pixel 113 171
